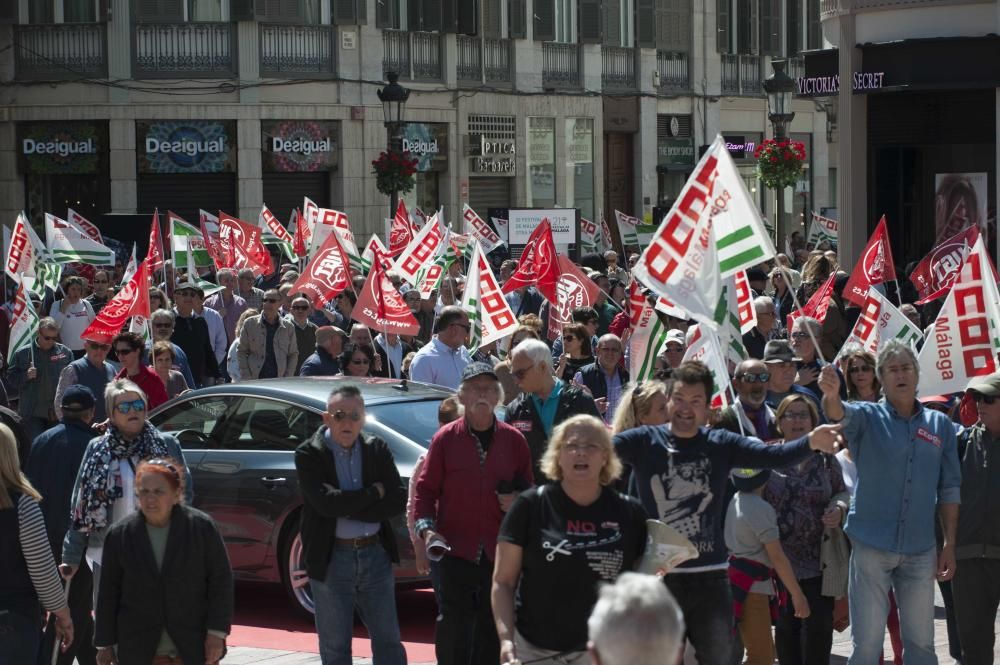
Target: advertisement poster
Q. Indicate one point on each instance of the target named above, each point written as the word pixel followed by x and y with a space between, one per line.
pixel 521 222
pixel 299 145
pixel 960 201
pixel 186 146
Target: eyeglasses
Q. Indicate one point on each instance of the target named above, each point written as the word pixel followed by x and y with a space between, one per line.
pixel 50 338
pixel 300 307
pixel 134 405
pixel 674 348
pixel 800 335
pixel 340 416
pixel 759 377
pixel 124 351
pixel 609 349
pixel 464 326
pixel 586 448
pixel 272 300
pixel 163 325
pixel 360 361
pixel 796 416
pixel 860 369
pixel 519 373
pixel 984 399
pixel 98 347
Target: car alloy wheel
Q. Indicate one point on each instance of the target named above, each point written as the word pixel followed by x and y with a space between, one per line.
pixel 296 577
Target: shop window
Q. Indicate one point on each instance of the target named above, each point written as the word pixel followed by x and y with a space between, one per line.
pixel 580 165
pixel 541 162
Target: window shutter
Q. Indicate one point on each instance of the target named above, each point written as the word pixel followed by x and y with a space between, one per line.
pixel 449 16
pixel 770 27
pixel 814 36
pixel 491 19
pixel 290 10
pixel 241 10
pixel 645 23
pixel 724 24
pixel 748 20
pixel 517 19
pixel 383 17
pixel 346 12
pixel 589 20
pixel 8 12
pixel 611 31
pixel 794 37
pixel 414 15
pixel 545 20
pixel 468 17
pixel 172 10
pixel 431 16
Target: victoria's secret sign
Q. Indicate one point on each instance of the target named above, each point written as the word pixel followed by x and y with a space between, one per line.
pixel 830 85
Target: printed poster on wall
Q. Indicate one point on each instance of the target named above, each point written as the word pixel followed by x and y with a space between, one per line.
pixel 521 222
pixel 186 146
pixel 299 145
pixel 960 201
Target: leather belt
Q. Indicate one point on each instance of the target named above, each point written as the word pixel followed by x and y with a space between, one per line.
pixel 977 552
pixel 357 543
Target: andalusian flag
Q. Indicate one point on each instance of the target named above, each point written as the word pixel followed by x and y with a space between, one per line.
pixel 184 237
pixel 24 323
pixel 728 324
pixel 28 261
pixel 823 228
pixel 648 335
pixel 705 347
pixel 68 244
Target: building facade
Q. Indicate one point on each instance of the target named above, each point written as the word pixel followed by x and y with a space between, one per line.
pixel 116 107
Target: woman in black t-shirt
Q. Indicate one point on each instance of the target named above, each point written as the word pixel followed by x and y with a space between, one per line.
pixel 559 541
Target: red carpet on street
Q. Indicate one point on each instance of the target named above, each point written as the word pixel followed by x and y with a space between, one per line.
pixel 265 619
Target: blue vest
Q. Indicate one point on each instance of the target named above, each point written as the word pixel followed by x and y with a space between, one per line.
pixel 95 378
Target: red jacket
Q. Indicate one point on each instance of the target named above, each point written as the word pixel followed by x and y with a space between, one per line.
pixel 151 384
pixel 459 493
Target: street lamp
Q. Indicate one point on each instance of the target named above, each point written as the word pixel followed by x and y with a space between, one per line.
pixel 393 98
pixel 780 88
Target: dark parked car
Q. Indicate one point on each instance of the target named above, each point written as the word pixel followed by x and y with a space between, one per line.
pixel 239 441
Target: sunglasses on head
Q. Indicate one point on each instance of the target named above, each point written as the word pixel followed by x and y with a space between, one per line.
pixel 134 405
pixel 340 415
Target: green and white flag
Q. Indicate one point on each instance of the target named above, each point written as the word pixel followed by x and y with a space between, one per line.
pixel 627 229
pixel 728 324
pixel 705 347
pixel 644 343
pixel 471 302
pixel 68 244
pixel 192 275
pixel 24 323
pixel 590 236
pixel 823 228
pixel 184 237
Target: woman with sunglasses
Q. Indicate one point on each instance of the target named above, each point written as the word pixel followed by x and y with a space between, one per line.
pixel 128 348
pixel 809 498
pixel 356 360
pixel 104 487
pixel 858 367
pixel 577 352
pixel 166 591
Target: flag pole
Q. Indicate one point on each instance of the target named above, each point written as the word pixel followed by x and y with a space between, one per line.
pixel 899 296
pixel 798 306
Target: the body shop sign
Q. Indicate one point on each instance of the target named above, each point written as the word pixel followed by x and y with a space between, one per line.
pixel 64 147
pixel 186 146
pixel 521 223
pixel 427 143
pixel 299 145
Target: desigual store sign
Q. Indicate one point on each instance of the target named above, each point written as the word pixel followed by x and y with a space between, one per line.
pixel 427 142
pixel 186 146
pixel 300 145
pixel 61 148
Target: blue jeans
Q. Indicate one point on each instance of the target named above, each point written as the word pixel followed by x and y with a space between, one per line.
pixel 357 578
pixel 911 576
pixel 706 599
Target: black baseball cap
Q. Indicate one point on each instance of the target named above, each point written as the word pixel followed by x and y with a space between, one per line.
pixel 472 370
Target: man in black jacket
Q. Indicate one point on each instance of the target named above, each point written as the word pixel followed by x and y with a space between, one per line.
pixel 351 489
pixel 191 334
pixel 544 402
pixel 605 379
pixel 52 467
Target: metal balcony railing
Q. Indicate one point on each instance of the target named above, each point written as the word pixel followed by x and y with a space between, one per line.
pixel 796 67
pixel 483 61
pixel 60 51
pixel 413 55
pixel 184 50
pixel 297 51
pixel 674 68
pixel 741 75
pixel 618 67
pixel 560 65
pixel 829 8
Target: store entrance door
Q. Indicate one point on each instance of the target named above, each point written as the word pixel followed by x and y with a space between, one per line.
pixel 617 177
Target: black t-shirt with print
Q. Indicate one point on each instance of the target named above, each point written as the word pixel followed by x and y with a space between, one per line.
pixel 568 550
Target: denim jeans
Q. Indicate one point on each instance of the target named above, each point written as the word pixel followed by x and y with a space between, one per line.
pixel 706 600
pixel 362 579
pixel 911 576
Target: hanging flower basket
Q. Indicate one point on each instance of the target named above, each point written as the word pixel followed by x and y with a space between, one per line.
pixel 780 163
pixel 394 172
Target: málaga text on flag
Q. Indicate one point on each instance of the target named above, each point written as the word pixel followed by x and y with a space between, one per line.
pixel 381 307
pixel 874 267
pixel 184 237
pixel 644 342
pixel 704 347
pixel 574 289
pixel 67 244
pixel 822 229
pixel 879 322
pixel 937 271
pixel 489 312
pixel 962 343
pixel 626 228
pixel 539 265
pixel 23 323
pixel 326 274
pixel 132 300
pixel 477 226
pixel 421 251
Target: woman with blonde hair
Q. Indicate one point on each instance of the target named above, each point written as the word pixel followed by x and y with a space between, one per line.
pixel 641 404
pixel 232 357
pixel 558 541
pixel 30 579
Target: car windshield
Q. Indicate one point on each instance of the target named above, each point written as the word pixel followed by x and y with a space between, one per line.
pixel 417 421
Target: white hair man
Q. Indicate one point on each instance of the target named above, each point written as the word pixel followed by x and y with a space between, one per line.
pixel 635 622
pixel 767 320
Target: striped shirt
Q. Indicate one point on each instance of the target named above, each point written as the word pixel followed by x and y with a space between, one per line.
pixel 38 554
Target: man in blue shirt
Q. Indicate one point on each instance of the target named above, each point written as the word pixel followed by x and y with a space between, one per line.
pixel 908 468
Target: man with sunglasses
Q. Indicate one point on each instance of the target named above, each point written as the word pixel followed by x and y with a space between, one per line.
pixel 976 586
pixel 908 474
pixel 162 323
pixel 305 330
pixel 750 410
pixel 92 370
pixel 352 490
pixel 267 343
pixel 781 366
pixel 102 291
pixel 33 375
pixel 192 335
pixel 442 360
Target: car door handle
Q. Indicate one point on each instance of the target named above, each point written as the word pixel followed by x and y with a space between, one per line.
pixel 270 482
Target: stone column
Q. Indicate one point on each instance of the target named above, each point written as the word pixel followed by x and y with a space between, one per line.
pixel 852 148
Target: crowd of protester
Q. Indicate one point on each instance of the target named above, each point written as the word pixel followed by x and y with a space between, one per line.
pixel 825 495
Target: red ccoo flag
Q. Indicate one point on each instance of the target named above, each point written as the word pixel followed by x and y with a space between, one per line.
pixel 326 275
pixel 154 255
pixel 132 300
pixel 874 267
pixel 539 265
pixel 937 272
pixel 818 305
pixel 574 290
pixel 240 246
pixel 380 307
pixel 401 232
